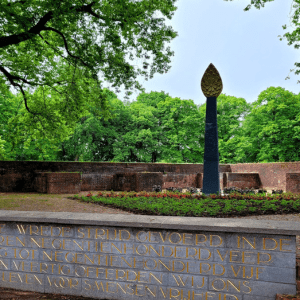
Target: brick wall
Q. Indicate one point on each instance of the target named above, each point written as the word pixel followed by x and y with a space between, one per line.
pixel 20 176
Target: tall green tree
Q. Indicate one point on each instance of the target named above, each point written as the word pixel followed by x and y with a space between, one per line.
pixel 271 131
pixel 44 43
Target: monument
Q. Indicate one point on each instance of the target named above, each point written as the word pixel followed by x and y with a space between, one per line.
pixel 211 85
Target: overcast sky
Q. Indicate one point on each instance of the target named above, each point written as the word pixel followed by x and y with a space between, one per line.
pixel 243 45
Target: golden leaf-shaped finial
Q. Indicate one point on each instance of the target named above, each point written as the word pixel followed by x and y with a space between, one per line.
pixel 211 83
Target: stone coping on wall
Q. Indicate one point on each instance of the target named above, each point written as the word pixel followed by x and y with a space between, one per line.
pixel 148 221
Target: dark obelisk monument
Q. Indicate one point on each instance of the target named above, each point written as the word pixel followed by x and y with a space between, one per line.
pixel 211 85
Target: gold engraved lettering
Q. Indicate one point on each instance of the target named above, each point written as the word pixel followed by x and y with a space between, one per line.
pixel 101 236
pixel 20 253
pixel 59 242
pixel 257 272
pixel 233 255
pixel 243 256
pixel 139 276
pixel 56 254
pixel 66 257
pixel 176 233
pixel 111 260
pixel 77 255
pixel 126 247
pixel 213 284
pixel 147 288
pixel 65 230
pixel 151 247
pixel 253 246
pixel 88 269
pixel 141 253
pixel 264 243
pixel 107 286
pixel 131 279
pixel 78 230
pixel 199 287
pixel 136 290
pixel 36 231
pixel 77 268
pixel 56 234
pixel 128 287
pixel 64 244
pixel 41 268
pixel 117 274
pixel 106 273
pixel 120 235
pixel 11 276
pixel 3 264
pixel 238 289
pixel 37 279
pixel 5 253
pixel 7 241
pixel 178 270
pixel 263 261
pixel 206 250
pixel 201 271
pixel 164 294
pixel 244 271
pixel 130 265
pixel 176 252
pixel 80 247
pixel 33 240
pixel 174 296
pixel 87 283
pixel 71 282
pixel 222 258
pixel 160 281
pixel 187 237
pixel 18 267
pixel 244 284
pixel 101 249
pixel 187 252
pixel 221 241
pixel 97 271
pixel 96 283
pixel 163 239
pixel 180 280
pixel 107 230
pixel 42 230
pixel 234 272
pixel 207 295
pixel 137 236
pixel 26 279
pixel 150 232
pixel 194 294
pixel 187 267
pixel 87 258
pixel 45 254
pixel 214 270
pixel 113 245
pixel 163 251
pixel 118 285
pixel 2 239
pixel 22 243
pixel 32 266
pixel 21 229
pixel 280 244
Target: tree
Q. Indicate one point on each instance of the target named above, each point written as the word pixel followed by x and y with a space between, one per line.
pixel 35 36
pixel 291 37
pixel 271 131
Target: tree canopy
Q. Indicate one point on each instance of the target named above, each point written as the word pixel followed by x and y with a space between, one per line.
pixel 65 50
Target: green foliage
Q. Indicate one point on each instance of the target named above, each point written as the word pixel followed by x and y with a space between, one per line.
pixel 56 52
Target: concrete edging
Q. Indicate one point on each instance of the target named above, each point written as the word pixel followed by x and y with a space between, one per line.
pixel 148 221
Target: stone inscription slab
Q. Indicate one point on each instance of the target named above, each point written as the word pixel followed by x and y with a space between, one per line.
pixel 134 263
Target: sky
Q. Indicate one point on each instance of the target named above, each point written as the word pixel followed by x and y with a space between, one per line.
pixel 243 45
